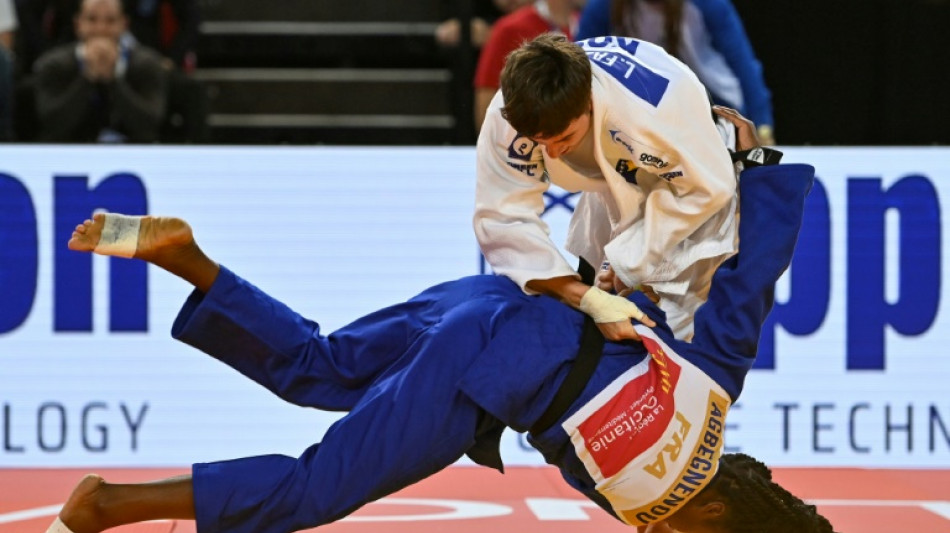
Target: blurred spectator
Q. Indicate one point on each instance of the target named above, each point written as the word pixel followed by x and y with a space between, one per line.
pixel 103 88
pixel 168 26
pixel 484 14
pixel 8 25
pixel 707 35
pixel 508 33
pixel 462 59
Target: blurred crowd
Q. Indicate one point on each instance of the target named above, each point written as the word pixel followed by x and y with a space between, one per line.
pixel 707 35
pixel 106 71
pixel 121 71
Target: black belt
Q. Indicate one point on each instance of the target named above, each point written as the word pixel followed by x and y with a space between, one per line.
pixel 588 355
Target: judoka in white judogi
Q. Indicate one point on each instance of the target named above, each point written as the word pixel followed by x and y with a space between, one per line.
pixel 659 201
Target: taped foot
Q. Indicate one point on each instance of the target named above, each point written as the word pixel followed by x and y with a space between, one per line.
pixel 119 236
pixel 107 234
pixel 143 237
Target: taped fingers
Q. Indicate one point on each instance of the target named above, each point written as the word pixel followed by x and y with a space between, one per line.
pixel 604 307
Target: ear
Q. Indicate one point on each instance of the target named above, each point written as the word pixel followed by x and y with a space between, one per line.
pixel 713 509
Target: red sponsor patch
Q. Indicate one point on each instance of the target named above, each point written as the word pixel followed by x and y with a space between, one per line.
pixel 634 418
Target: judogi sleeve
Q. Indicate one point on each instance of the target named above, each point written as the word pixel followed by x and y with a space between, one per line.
pixel 729 325
pixel 509 200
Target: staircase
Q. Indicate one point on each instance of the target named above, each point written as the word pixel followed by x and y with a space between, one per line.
pixel 329 72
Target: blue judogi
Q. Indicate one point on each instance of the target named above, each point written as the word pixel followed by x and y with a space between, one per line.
pixel 443 374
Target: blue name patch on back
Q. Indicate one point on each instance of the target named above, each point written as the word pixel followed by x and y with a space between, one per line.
pixel 636 77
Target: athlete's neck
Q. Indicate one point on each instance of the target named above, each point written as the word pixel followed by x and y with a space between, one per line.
pixel 582 158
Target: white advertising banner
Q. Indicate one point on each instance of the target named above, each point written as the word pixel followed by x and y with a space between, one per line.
pixel 853 365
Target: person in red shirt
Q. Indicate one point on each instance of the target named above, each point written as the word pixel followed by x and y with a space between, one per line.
pixel 508 33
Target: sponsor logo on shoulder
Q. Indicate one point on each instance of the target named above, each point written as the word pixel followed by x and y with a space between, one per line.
pixel 668 176
pixel 529 169
pixel 623 139
pixel 653 161
pixel 521 148
pixel 628 170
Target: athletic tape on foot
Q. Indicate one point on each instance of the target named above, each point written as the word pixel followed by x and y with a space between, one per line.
pixel 58 527
pixel 120 235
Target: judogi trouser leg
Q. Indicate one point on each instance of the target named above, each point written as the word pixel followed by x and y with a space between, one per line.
pixel 396 370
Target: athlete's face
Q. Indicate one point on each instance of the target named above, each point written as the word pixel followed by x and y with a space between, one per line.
pixel 562 143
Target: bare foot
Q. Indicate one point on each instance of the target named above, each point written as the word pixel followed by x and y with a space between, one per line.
pixel 166 242
pixel 81 513
pixel 157 236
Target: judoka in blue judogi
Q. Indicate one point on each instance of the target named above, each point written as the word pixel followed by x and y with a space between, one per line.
pixel 442 375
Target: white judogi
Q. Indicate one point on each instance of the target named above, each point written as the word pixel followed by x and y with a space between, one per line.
pixel 662 209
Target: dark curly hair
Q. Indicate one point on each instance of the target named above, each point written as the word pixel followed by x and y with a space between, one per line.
pixel 755 503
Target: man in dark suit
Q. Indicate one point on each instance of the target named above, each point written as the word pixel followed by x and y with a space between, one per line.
pixel 102 88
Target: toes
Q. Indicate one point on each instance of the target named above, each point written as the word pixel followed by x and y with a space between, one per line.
pixel 84 234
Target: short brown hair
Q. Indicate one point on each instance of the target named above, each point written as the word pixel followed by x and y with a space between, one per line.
pixel 546 84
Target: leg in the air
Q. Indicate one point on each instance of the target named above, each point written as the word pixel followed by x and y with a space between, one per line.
pixel 163 241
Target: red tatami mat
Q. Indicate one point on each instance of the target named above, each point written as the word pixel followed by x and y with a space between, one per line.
pixel 525 500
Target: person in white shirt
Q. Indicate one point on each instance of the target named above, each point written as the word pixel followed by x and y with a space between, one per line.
pixel 631 127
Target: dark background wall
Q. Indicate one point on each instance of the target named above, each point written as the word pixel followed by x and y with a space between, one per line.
pixel 855 72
